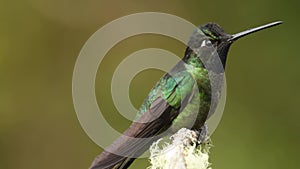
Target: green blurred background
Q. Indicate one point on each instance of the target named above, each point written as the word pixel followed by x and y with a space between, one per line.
pixel 41 39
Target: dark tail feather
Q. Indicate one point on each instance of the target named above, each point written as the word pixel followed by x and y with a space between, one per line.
pixel 126 163
pixel 115 162
pixel 127 152
pixel 137 138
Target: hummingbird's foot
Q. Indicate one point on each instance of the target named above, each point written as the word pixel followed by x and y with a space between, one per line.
pixel 203 134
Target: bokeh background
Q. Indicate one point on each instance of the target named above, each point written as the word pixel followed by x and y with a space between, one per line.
pixel 41 39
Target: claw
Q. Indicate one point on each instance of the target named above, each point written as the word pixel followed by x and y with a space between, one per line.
pixel 203 135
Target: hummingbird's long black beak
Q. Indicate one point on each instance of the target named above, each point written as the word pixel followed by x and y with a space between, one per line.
pixel 247 32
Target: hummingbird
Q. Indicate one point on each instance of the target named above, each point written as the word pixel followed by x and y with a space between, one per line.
pixel 181 98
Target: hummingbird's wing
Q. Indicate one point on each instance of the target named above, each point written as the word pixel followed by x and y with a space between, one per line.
pixel 156 119
pixel 161 107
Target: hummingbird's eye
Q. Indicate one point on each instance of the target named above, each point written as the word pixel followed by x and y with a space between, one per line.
pixel 206 43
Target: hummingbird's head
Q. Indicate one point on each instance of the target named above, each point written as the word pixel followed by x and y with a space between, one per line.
pixel 211 38
pixel 216 37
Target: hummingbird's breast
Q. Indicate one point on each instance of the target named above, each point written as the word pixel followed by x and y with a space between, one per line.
pixel 195 107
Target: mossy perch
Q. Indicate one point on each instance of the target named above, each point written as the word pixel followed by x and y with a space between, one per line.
pixel 183 152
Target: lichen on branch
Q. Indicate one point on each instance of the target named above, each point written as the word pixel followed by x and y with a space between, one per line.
pixel 181 152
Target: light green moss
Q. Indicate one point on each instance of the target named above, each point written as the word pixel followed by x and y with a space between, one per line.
pixel 180 153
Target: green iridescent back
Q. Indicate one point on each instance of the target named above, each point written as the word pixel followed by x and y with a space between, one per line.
pixel 176 88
